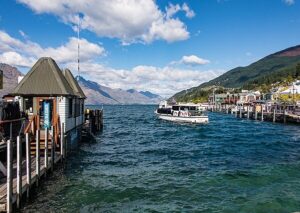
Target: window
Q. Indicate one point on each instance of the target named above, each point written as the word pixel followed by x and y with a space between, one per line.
pixel 70 107
pixel 28 102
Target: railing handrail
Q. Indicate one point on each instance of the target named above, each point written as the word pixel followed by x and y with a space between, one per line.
pixel 11 121
pixel 29 124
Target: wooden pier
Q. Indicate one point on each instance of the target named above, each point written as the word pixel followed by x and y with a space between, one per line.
pixel 278 114
pixel 33 155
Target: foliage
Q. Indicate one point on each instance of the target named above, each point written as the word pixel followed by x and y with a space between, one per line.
pixel 273 70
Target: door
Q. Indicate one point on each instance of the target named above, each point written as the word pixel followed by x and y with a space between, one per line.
pixel 46 112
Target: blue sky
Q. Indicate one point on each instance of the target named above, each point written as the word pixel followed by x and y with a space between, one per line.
pixel 160 46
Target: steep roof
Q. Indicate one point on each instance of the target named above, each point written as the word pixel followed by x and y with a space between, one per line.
pixel 44 78
pixel 73 83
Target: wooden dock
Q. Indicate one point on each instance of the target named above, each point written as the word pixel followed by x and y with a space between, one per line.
pixel 251 112
pixel 34 154
pixel 25 188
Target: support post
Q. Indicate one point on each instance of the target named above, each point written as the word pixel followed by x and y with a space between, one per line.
pixel 46 149
pixel 284 116
pixel 19 172
pixel 241 115
pixel 28 164
pixel 52 148
pixel 255 113
pixel 62 143
pixel 262 112
pixel 9 186
pixel 37 159
pixel 274 115
pixel 248 112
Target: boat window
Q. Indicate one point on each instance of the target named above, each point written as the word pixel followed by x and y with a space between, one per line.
pixel 176 108
pixel 193 108
pixel 182 108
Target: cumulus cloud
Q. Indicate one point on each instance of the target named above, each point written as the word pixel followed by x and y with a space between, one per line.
pixel 128 20
pixel 289 2
pixel 16 52
pixel 191 60
pixel 165 80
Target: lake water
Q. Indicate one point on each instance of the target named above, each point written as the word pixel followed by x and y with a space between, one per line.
pixel 142 164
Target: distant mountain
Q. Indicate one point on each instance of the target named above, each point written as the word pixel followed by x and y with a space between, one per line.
pixel 98 94
pixel 10 78
pixel 273 68
pixel 149 94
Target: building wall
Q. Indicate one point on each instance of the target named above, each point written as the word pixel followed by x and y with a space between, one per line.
pixel 69 120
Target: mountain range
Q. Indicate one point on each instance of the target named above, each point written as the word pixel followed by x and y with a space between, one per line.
pixel 96 93
pixel 260 74
pixel 10 78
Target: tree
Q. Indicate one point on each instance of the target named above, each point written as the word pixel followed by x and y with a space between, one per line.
pixel 298 70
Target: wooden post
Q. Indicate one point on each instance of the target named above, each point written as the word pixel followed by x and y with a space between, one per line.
pixel 46 150
pixel 52 148
pixel 274 115
pixel 9 187
pixel 19 171
pixel 66 148
pixel 37 159
pixel 284 116
pixel 248 112
pixel 262 112
pixel 62 145
pixel 28 164
pixel 255 112
pixel 241 115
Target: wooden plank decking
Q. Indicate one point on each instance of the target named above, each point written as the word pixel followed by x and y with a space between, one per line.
pixel 3 182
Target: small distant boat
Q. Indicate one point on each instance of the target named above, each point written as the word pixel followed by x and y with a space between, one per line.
pixel 188 113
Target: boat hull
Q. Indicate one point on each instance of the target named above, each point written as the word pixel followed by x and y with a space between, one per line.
pixel 191 119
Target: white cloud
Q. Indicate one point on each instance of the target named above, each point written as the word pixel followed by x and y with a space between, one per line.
pixel 191 60
pixel 289 2
pixel 23 34
pixel 15 59
pixel 128 20
pixel 188 12
pixel 194 60
pixel 28 52
pixel 161 80
pixel 165 81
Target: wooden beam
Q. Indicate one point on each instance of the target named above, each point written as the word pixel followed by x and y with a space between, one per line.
pixel 9 176
pixel 38 165
pixel 19 171
pixel 28 164
pixel 46 150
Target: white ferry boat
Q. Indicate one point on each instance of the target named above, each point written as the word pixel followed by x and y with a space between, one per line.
pixel 188 113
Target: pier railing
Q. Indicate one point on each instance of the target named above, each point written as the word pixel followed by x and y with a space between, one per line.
pixel 263 112
pixel 25 168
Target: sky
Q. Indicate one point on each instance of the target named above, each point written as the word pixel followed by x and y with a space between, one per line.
pixel 161 46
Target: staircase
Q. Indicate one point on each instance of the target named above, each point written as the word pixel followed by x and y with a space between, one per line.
pixel 42 144
pixel 31 128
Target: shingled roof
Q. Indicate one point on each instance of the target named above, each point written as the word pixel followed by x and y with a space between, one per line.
pixel 73 83
pixel 44 79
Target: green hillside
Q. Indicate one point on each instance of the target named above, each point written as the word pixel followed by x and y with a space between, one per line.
pixel 260 75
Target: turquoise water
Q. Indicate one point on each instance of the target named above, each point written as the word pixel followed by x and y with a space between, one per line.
pixel 142 164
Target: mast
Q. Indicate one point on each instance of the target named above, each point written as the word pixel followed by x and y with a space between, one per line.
pixel 78 49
